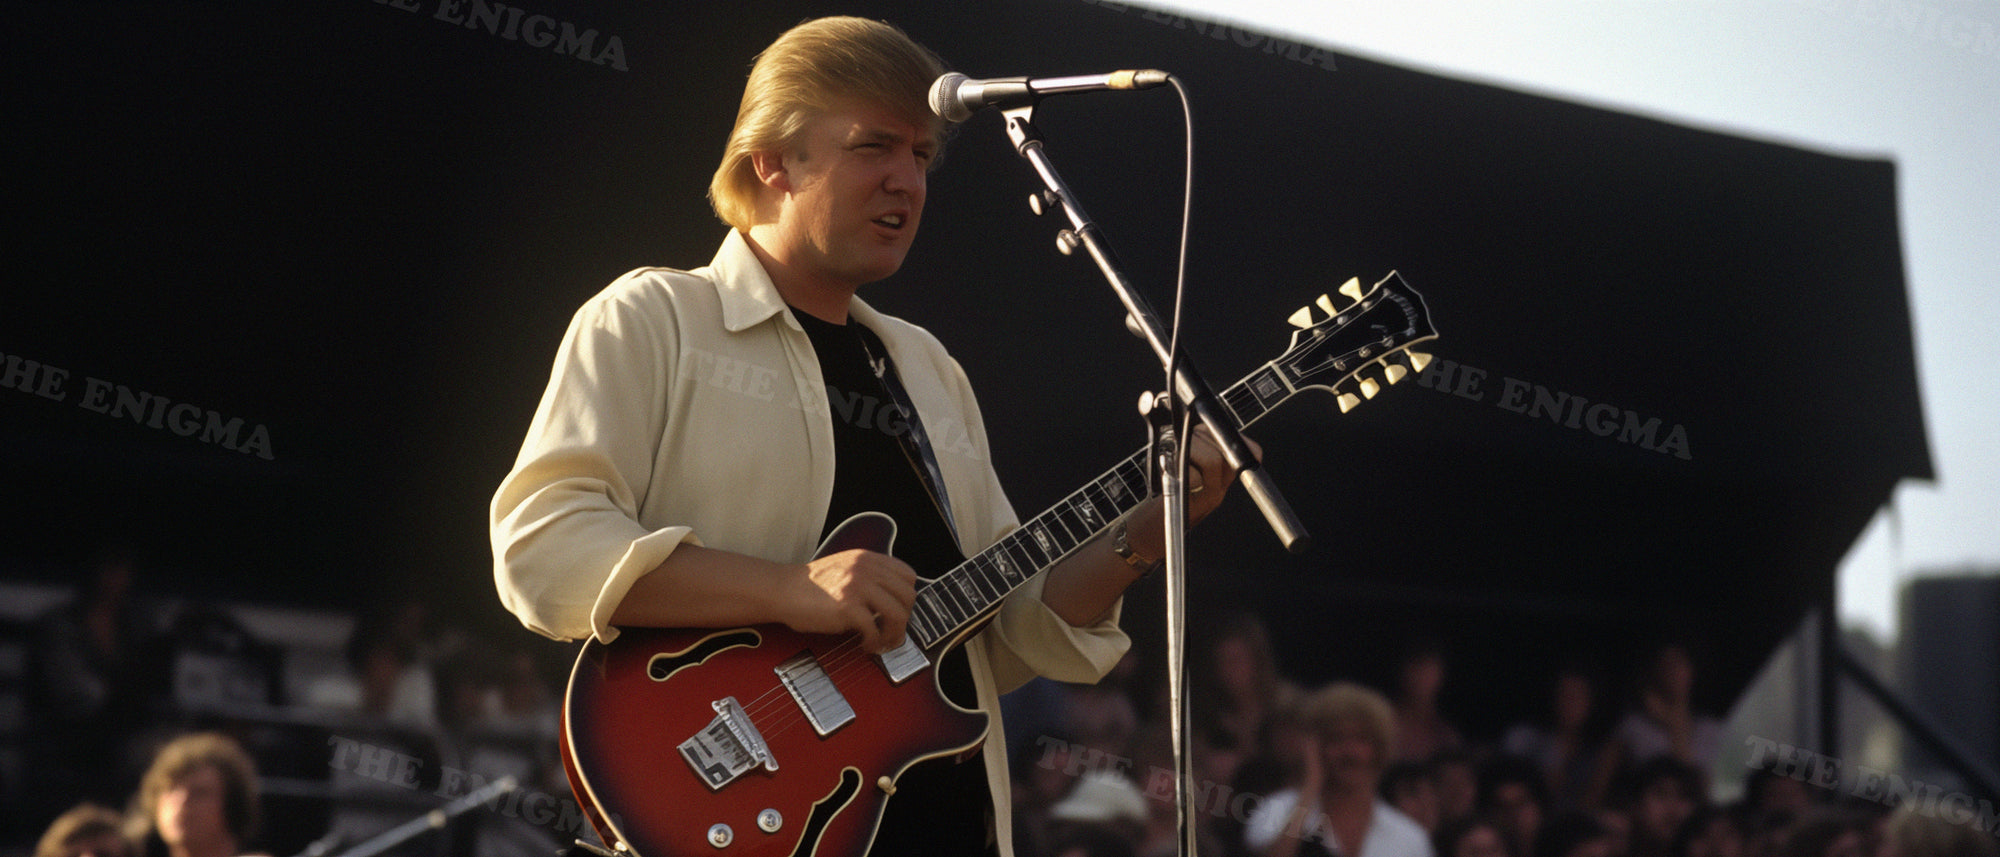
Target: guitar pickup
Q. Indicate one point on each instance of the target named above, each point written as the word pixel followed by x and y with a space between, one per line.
pixel 727 747
pixel 903 661
pixel 813 690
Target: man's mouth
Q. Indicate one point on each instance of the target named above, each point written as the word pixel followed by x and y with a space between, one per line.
pixel 893 221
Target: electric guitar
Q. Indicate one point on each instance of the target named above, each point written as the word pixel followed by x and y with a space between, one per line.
pixel 765 741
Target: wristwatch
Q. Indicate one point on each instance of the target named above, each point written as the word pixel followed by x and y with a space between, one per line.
pixel 1121 545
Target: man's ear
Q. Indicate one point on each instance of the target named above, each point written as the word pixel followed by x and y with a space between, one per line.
pixel 770 167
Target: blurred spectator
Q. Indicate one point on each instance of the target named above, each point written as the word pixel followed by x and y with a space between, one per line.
pixel 1411 787
pixel 1768 792
pixel 390 679
pixel 1102 800
pixel 1104 715
pixel 87 830
pixel 88 689
pixel 1577 834
pixel 1662 721
pixel 1911 834
pixel 1457 773
pixel 1092 842
pixel 1472 837
pixel 1422 731
pixel 1712 831
pixel 1334 809
pixel 1659 796
pixel 1514 797
pixel 1563 742
pixel 200 798
pixel 1828 832
pixel 1234 692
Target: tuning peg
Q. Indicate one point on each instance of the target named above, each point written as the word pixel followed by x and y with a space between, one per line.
pixel 1352 288
pixel 1369 388
pixel 1302 319
pixel 1392 372
pixel 1326 303
pixel 1418 360
pixel 1347 401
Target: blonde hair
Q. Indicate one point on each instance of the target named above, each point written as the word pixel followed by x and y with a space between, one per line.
pixel 83 822
pixel 1324 711
pixel 181 757
pixel 803 74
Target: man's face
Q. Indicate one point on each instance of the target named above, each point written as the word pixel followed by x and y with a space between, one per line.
pixel 191 812
pixel 854 192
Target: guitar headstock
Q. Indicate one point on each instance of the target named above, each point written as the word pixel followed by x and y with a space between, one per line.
pixel 1361 343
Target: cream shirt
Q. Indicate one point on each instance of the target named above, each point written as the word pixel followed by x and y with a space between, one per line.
pixel 688 407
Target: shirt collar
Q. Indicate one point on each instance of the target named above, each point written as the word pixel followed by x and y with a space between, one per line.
pixel 748 296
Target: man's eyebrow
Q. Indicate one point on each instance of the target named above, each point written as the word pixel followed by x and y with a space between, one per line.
pixel 884 135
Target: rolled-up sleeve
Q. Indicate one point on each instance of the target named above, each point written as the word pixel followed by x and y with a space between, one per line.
pixel 567 541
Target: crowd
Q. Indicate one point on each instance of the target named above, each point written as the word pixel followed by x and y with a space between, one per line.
pixel 1612 767
pixel 1280 769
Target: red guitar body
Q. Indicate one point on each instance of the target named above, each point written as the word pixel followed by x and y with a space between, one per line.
pixel 632 704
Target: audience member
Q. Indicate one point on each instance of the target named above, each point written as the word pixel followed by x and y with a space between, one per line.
pixel 1712 831
pixel 1564 742
pixel 1411 787
pixel 1422 731
pixel 1515 798
pixel 1334 809
pixel 1235 690
pixel 1578 834
pixel 88 690
pixel 1472 837
pixel 1662 721
pixel 1457 774
pixel 1906 833
pixel 1830 832
pixel 1658 797
pixel 88 830
pixel 200 798
pixel 1092 842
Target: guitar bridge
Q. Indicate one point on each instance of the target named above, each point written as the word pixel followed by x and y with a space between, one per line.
pixel 727 747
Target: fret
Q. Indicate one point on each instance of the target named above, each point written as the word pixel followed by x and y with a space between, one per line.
pixel 942 604
pixel 992 578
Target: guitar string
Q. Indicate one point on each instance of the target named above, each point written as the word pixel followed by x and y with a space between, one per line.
pixel 1086 504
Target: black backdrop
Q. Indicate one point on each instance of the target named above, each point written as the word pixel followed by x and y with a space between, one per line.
pixel 362 226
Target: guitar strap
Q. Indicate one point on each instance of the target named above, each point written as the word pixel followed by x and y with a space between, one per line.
pixel 914 440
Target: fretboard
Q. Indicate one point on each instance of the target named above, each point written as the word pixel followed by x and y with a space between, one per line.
pixel 967 593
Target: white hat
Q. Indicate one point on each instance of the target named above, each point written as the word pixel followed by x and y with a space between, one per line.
pixel 1101 796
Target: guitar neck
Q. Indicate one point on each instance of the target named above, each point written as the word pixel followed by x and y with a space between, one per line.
pixel 1324 354
pixel 975 588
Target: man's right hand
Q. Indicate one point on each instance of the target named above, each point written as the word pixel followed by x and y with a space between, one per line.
pixel 861 591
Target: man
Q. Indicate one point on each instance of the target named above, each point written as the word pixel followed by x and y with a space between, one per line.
pixel 200 798
pixel 703 430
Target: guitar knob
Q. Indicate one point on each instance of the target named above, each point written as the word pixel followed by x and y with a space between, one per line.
pixel 720 835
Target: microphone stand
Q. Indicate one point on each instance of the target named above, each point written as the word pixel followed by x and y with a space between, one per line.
pixel 1187 393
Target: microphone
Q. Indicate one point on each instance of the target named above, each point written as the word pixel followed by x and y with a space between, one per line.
pixel 956 97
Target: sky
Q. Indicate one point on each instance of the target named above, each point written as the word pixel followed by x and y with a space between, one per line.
pixel 1913 81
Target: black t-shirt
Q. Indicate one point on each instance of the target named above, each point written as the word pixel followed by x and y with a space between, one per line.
pixel 940 807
